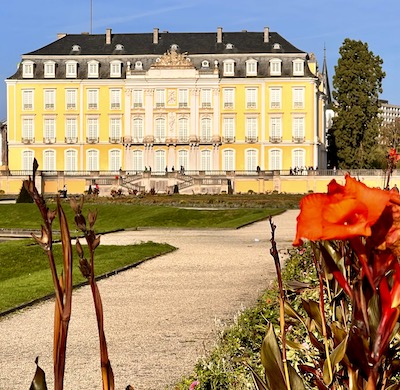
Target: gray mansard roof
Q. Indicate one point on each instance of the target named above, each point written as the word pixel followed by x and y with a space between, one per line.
pixel 145 47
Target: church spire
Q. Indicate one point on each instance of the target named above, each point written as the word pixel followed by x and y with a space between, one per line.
pixel 325 78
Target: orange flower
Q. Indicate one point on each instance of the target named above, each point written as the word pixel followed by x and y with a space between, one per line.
pixel 344 212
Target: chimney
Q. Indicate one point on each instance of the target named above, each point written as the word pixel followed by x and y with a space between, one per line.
pixel 266 34
pixel 61 35
pixel 108 36
pixel 155 35
pixel 219 35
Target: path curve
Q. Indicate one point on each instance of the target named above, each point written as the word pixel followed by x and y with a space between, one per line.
pixel 159 317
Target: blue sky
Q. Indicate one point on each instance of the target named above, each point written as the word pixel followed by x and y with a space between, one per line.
pixel 308 24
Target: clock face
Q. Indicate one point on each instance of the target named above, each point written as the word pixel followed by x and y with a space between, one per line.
pixel 171 97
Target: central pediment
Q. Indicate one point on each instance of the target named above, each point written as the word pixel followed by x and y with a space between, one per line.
pixel 173 59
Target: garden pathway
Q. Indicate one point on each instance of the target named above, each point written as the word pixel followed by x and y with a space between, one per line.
pixel 160 317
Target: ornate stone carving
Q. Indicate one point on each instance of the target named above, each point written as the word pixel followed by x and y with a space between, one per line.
pixel 173 59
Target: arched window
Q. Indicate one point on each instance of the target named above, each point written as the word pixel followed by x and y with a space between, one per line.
pixel 92 160
pixel 114 160
pixel 137 160
pixel 183 129
pixel 206 130
pixel 275 159
pixel 49 160
pixel 298 158
pixel 228 160
pixel 160 130
pixel 71 160
pixel 251 160
pixel 27 160
pixel 183 159
pixel 159 161
pixel 137 129
pixel 205 160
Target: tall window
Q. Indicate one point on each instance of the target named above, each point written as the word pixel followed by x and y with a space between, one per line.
pixel 298 97
pixel 183 159
pixel 228 160
pixel 93 69
pixel 251 68
pixel 92 160
pixel 183 98
pixel 229 97
pixel 27 69
pixel 71 130
pixel 275 130
pixel 251 97
pixel 206 98
pixel 92 133
pixel 229 68
pixel 275 66
pixel 49 99
pixel 93 99
pixel 298 129
pixel 251 160
pixel 160 98
pixel 275 159
pixel 206 130
pixel 49 160
pixel 251 129
pixel 298 158
pixel 71 69
pixel 115 130
pixel 159 161
pixel 275 97
pixel 49 131
pixel 49 69
pixel 137 160
pixel 228 129
pixel 27 99
pixel 205 160
pixel 115 69
pixel 137 98
pixel 71 98
pixel 28 130
pixel 160 130
pixel 115 99
pixel 71 160
pixel 183 129
pixel 27 160
pixel 137 129
pixel 298 68
pixel 114 160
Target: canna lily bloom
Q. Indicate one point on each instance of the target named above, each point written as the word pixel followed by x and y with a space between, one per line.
pixel 344 212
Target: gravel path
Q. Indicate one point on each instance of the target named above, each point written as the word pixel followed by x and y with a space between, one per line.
pixel 159 317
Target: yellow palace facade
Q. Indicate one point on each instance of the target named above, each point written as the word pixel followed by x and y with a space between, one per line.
pixel 161 101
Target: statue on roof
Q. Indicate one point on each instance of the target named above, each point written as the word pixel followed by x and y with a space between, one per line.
pixel 173 59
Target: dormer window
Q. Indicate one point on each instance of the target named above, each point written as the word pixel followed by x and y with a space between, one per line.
pixel 27 69
pixel 49 69
pixel 115 69
pixel 251 67
pixel 76 48
pixel 138 65
pixel 93 69
pixel 71 69
pixel 229 46
pixel 205 64
pixel 275 67
pixel 298 67
pixel 229 68
pixel 276 46
pixel 119 47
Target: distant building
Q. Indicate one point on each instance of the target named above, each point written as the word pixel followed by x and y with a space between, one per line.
pixel 230 101
pixel 389 112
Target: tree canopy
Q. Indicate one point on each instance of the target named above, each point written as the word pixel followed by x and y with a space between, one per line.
pixel 357 83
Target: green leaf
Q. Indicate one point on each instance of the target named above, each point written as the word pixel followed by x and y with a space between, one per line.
pixel 296 383
pixel 335 357
pixel 258 382
pixel 39 380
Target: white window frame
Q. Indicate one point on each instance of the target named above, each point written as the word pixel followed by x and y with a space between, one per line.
pixel 49 129
pixel 251 129
pixel 71 160
pixel 27 157
pixel 159 98
pixel 206 98
pixel 298 67
pixel 71 69
pixel 92 129
pixel 298 158
pixel 183 98
pixel 28 129
pixel 115 99
pixel 160 129
pixel 251 160
pixel 138 129
pixel 228 128
pixel 28 98
pixel 138 65
pixel 206 129
pixel 275 129
pixel 228 160
pixel 71 130
pixel 228 98
pixel 160 160
pixel 49 69
pixel 93 69
pixel 114 160
pixel 275 159
pixel 92 160
pixel 183 158
pixel 137 97
pixel 28 69
pixel 206 160
pixel 298 94
pixel 251 68
pixel 137 160
pixel 275 66
pixel 251 97
pixel 93 99
pixel 183 129
pixel 275 98
pixel 115 129
pixel 49 99
pixel 49 160
pixel 115 68
pixel 71 99
pixel 298 128
pixel 229 68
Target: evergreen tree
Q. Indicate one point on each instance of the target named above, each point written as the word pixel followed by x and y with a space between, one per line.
pixel 357 82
